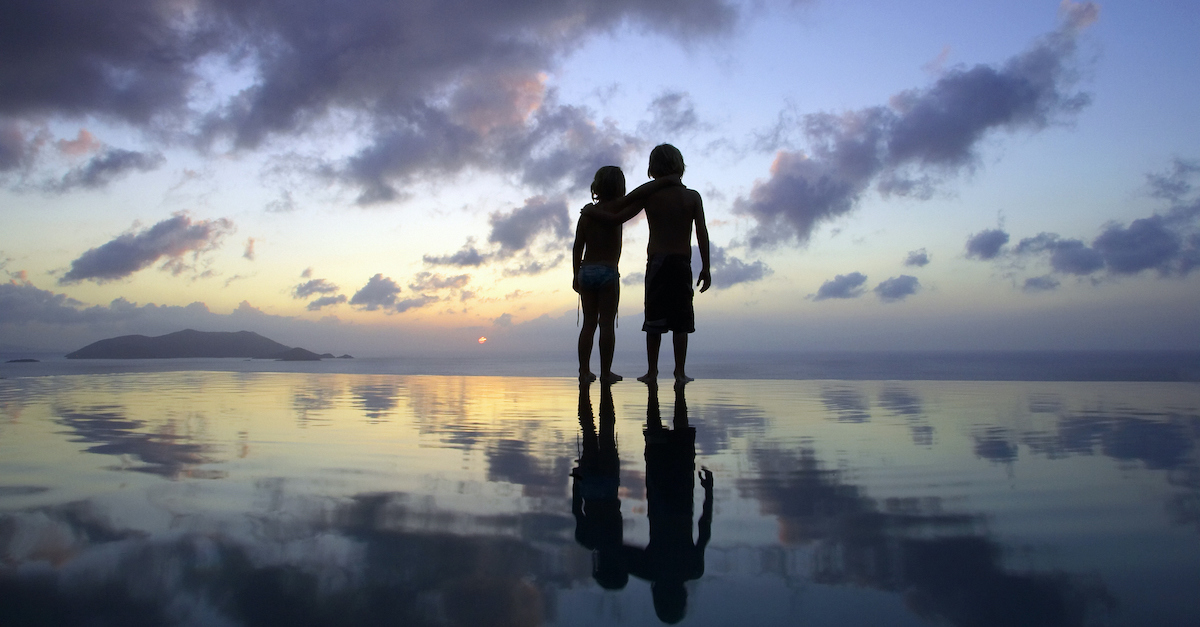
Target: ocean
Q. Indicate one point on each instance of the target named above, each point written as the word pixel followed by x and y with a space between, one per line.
pixel 860 490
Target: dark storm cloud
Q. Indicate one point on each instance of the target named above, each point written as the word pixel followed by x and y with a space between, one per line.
pixel 172 238
pixel 921 136
pixel 918 258
pixel 379 293
pixel 897 288
pixel 515 231
pixel 842 286
pixel 986 244
pixel 314 286
pixel 728 270
pixel 437 86
pixel 106 167
pixel 326 301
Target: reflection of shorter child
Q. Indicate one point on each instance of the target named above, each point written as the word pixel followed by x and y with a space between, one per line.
pixel 594 260
pixel 595 485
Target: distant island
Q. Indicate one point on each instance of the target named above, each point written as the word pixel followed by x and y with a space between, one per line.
pixel 191 343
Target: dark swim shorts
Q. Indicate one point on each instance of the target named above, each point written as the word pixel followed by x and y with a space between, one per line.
pixel 595 276
pixel 669 294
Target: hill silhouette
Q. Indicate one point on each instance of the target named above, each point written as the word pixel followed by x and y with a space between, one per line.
pixel 186 343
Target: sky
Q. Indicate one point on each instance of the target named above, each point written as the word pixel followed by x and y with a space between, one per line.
pixel 387 177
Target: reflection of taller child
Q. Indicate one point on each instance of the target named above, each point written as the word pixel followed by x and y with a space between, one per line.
pixel 671 558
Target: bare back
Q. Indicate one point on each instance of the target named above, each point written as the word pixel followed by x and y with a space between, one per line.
pixel 670 213
pixel 601 241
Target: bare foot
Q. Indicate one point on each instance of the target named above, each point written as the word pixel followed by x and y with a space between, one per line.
pixel 649 377
pixel 587 378
pixel 682 378
pixel 611 377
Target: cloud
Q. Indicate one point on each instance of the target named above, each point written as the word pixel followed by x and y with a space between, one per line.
pixel 986 244
pixel 842 286
pixel 83 143
pixel 21 303
pixel 673 113
pixel 171 238
pixel 504 320
pixel 1167 242
pixel 532 267
pixel 515 231
pixel 467 256
pixel 920 137
pixel 249 252
pixel 18 146
pixel 1068 256
pixel 107 167
pixel 918 258
pixel 436 87
pixel 379 293
pixel 1045 283
pixel 897 288
pixel 414 303
pixel 326 301
pixel 728 270
pixel 314 286
pixel 429 281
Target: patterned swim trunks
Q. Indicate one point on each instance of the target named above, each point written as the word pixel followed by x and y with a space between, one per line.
pixel 595 276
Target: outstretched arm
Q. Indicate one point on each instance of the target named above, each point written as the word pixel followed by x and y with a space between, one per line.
pixel 705 278
pixel 706 513
pixel 621 209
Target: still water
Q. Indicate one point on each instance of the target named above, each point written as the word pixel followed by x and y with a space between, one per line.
pixel 253 498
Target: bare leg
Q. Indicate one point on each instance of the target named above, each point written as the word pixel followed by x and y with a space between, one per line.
pixel 608 299
pixel 680 340
pixel 653 342
pixel 587 333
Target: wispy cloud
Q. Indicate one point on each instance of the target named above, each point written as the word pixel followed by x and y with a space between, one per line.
pixel 921 136
pixel 170 239
pixel 1166 243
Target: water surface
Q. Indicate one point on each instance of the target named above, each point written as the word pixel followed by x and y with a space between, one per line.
pixel 256 498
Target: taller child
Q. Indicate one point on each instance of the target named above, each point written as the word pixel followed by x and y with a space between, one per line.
pixel 670 212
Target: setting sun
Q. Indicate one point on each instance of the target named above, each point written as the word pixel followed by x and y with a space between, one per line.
pixel 482 339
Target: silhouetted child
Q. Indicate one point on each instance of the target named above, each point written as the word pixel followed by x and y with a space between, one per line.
pixel 670 212
pixel 594 260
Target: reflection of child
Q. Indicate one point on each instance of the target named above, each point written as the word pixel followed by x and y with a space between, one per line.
pixel 671 558
pixel 594 492
pixel 594 261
